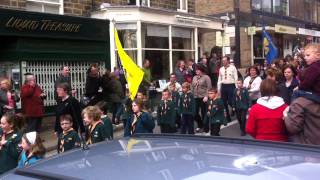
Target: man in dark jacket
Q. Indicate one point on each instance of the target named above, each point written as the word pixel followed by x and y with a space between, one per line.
pixel 93 85
pixel 64 77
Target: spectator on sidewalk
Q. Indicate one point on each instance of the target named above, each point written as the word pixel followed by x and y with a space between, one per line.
pixel 290 82
pixel 252 84
pixel 139 122
pixel 68 139
pixel 95 130
pixel 116 97
pixel 265 120
pixel 68 105
pixel 32 97
pixel 302 121
pixel 32 149
pixel 64 77
pixel 93 84
pixel 10 136
pixel 180 72
pixel 8 97
pixel 228 76
pixel 309 86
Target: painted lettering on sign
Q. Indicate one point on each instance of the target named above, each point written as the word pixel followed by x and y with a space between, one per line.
pixel 42 25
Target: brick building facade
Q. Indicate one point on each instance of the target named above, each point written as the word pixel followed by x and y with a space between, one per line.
pixel 301 15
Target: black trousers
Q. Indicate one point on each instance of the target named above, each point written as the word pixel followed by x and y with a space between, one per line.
pixel 115 108
pixel 227 97
pixel 187 124
pixel 242 119
pixel 34 124
pixel 215 129
pixel 200 105
pixel 165 128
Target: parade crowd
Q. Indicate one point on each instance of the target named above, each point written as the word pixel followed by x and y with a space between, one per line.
pixel 278 102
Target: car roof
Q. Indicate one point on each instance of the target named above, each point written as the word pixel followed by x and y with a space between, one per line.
pixel 169 157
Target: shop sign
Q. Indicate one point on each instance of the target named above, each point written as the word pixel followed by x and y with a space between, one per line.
pixel 21 23
pixel 285 29
pixel 309 32
pixel 251 30
pixel 222 40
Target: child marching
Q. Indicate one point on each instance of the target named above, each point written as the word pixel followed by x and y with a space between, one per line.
pixel 187 109
pixel 215 115
pixel 95 130
pixel 167 113
pixel 69 138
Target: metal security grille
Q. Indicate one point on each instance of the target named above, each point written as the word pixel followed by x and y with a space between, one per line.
pixel 46 73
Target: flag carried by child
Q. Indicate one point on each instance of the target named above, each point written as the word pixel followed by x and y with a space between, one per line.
pixel 133 73
pixel 270 50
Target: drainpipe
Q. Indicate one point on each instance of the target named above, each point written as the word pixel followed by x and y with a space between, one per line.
pixel 237 58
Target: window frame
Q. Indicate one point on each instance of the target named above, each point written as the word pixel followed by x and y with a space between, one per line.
pixel 44 2
pixel 180 7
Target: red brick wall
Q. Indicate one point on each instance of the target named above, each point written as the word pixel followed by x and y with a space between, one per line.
pixel 77 7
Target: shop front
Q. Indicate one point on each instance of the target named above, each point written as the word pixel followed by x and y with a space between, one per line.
pixel 42 43
pixel 161 36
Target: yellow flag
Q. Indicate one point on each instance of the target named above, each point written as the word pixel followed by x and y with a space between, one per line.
pixel 133 73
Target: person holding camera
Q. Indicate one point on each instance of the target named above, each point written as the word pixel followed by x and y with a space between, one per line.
pixel 32 98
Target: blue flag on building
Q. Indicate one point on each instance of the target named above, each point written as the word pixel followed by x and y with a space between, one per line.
pixel 270 50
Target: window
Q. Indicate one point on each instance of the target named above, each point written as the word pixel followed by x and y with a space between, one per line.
pixel 128 37
pixel 281 7
pixel 155 36
pixel 47 6
pixel 308 10
pixel 182 5
pixel 266 5
pixel 256 4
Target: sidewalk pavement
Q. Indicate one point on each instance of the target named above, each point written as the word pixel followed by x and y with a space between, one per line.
pixel 49 138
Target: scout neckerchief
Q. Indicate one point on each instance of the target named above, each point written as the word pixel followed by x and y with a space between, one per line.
pixel 251 81
pixel 134 122
pixel 64 133
pixel 186 100
pixel 238 94
pixel 91 128
pixel 210 103
pixel 198 81
pixel 28 158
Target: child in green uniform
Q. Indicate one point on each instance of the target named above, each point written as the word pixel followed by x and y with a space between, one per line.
pixel 215 115
pixel 175 98
pixel 69 138
pixel 167 113
pixel 102 105
pixel 95 130
pixel 10 138
pixel 241 104
pixel 187 109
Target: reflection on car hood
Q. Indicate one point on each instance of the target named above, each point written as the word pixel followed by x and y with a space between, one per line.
pixel 184 157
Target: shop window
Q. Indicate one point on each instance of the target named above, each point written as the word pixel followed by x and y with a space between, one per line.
pixel 281 7
pixel 131 53
pixel 159 60
pixel 181 55
pixel 182 38
pixel 46 6
pixel 127 35
pixel 155 36
pixel 182 5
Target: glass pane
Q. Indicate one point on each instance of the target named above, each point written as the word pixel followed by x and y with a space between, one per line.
pixel 181 55
pixel 52 1
pixel 31 6
pixel 184 4
pixel 131 53
pixel 280 7
pixel 127 35
pixel 308 10
pixel 159 63
pixel 256 4
pixel 182 38
pixel 155 36
pixel 266 5
pixel 54 9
